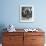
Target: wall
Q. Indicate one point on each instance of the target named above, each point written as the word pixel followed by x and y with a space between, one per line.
pixel 10 13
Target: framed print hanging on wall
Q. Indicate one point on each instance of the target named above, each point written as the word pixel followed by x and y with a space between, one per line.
pixel 26 13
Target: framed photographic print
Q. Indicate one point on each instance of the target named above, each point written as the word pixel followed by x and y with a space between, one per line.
pixel 26 13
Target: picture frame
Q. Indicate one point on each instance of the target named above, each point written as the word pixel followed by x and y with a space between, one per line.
pixel 26 13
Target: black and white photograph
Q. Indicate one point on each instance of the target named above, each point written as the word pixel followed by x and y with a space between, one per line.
pixel 26 13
